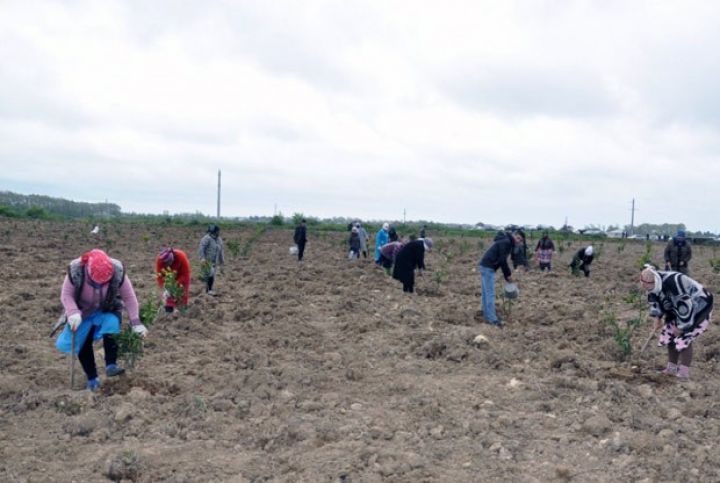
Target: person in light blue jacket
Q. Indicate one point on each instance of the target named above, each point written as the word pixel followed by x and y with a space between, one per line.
pixel 381 238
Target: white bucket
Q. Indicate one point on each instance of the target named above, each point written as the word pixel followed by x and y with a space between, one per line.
pixel 511 291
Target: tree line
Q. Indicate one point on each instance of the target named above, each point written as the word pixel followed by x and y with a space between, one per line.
pixel 40 206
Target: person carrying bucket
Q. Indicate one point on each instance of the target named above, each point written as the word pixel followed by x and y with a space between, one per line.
pixel 94 291
pixel 495 257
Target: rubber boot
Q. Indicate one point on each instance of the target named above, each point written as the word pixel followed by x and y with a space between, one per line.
pixel 671 369
pixel 683 372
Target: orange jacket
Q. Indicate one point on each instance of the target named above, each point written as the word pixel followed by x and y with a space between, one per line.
pixel 181 267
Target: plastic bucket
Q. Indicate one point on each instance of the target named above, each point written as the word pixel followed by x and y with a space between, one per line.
pixel 511 291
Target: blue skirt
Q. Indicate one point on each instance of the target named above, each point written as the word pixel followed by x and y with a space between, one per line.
pixel 104 323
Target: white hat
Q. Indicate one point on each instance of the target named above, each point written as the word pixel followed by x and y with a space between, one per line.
pixel 588 251
pixel 386 226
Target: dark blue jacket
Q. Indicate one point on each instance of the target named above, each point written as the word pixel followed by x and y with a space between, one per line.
pixel 300 236
pixel 496 256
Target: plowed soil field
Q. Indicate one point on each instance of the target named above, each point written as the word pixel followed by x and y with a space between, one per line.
pixel 324 371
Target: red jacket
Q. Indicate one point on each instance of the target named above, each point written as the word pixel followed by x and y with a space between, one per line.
pixel 181 267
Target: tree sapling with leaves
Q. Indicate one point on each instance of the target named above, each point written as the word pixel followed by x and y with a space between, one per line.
pixel 172 268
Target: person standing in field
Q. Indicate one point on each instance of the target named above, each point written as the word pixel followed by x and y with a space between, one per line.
pixel 683 308
pixel 300 238
pixel 408 258
pixel 173 262
pixel 582 260
pixel 354 244
pixel 678 253
pixel 381 238
pixel 94 292
pixel 495 257
pixel 519 253
pixel 212 256
pixel 364 238
pixel 544 251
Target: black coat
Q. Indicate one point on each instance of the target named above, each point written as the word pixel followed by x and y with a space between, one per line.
pixel 545 243
pixel 496 256
pixel 580 259
pixel 678 254
pixel 392 234
pixel 410 257
pixel 300 236
pixel 354 242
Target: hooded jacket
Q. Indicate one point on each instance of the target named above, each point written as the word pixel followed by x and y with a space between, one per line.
pixel 496 256
pixel 381 239
pixel 211 249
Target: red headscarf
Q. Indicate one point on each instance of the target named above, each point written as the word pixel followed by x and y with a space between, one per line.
pixel 98 264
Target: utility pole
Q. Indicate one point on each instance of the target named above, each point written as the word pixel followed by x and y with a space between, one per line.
pixel 404 214
pixel 218 201
pixel 632 218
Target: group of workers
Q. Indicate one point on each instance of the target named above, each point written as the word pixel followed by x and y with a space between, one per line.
pixel 96 288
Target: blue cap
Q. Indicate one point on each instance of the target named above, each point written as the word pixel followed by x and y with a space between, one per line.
pixel 681 233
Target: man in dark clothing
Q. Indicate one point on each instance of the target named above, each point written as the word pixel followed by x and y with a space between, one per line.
pixel 410 256
pixel 354 243
pixel 300 238
pixel 678 253
pixel 519 253
pixel 495 257
pixel 582 260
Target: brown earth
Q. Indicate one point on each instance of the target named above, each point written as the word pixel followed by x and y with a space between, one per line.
pixel 326 372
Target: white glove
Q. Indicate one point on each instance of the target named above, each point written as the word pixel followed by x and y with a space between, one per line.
pixel 140 329
pixel 166 295
pixel 74 321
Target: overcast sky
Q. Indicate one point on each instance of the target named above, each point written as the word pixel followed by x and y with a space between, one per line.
pixel 456 111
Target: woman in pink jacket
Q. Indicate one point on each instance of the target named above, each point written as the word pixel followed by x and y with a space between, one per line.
pixel 94 292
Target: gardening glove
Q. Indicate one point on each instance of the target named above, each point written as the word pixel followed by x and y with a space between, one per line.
pixel 166 295
pixel 140 329
pixel 74 321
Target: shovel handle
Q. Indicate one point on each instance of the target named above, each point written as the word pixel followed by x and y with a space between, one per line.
pixel 72 360
pixel 652 334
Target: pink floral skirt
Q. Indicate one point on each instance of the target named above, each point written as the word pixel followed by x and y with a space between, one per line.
pixel 671 335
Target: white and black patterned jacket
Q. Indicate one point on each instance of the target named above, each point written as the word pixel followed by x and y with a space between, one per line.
pixel 680 298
